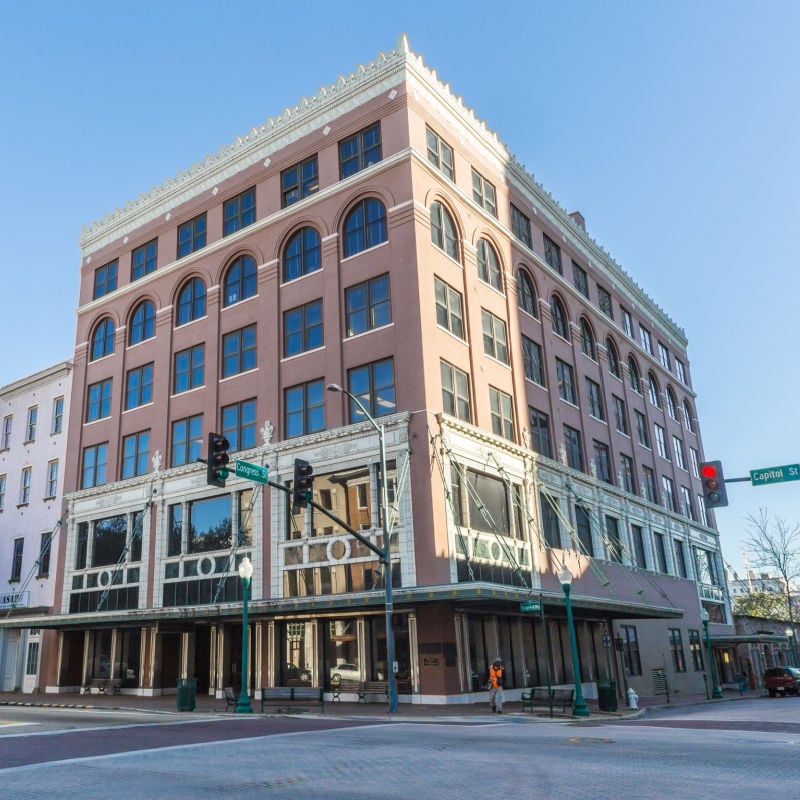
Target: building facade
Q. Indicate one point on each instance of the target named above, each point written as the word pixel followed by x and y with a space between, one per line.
pixel 533 408
pixel 33 447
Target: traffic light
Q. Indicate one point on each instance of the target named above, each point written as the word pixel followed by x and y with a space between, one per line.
pixel 217 459
pixel 714 492
pixel 302 483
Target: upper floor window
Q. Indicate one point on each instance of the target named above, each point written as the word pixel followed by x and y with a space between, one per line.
pixel 105 279
pixel 449 311
pixel 302 254
pixel 364 226
pixel 189 368
pixel 573 447
pixel 6 442
pixel 302 328
pixel 641 428
pixel 191 302
pixel 143 323
pixel 239 212
pixel 495 342
pixel 57 423
pixel 440 154
pixel 187 440
pixel 533 361
pixel 646 339
pixel 627 321
pixel 587 340
pixel 192 235
pixel 299 181
pixel 143 260
pixel 521 226
pixel 634 376
pixel 368 305
pixel 483 193
pixel 602 462
pixel 30 425
pixel 16 561
pixel 672 403
pixel 668 493
pixel 580 279
pixel 95 462
pixel 680 370
pixel 135 454
pixel 502 413
pixel 604 301
pixel 653 390
pixel 489 265
pixel 304 409
pixel 25 486
pixel 51 484
pixel 559 317
pixel 526 293
pixel 240 281
pixel 139 386
pixel 239 351
pixel 614 367
pixel 373 385
pixel 239 424
pixel 552 254
pixel 620 414
pixel 663 356
pixel 455 391
pixel 688 417
pixel 566 382
pixel 98 400
pixel 443 230
pixel 594 399
pixel 360 151
pixel 102 339
pixel 540 432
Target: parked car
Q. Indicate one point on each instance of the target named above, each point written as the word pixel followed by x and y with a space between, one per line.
pixel 348 671
pixel 293 675
pixel 782 680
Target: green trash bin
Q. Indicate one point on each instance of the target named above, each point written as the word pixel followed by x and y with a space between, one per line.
pixel 607 695
pixel 187 694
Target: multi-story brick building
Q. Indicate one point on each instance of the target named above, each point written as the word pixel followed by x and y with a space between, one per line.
pixel 33 446
pixel 536 405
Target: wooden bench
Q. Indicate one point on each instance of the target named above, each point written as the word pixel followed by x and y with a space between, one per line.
pixel 540 696
pixel 346 685
pixel 287 696
pixel 373 687
pixel 103 685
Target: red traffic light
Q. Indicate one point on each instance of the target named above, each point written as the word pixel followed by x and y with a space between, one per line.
pixel 709 471
pixel 714 492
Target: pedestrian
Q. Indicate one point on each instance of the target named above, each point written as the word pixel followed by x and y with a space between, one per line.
pixel 496 675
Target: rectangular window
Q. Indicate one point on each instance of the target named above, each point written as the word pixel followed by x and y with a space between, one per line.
pixel 680 559
pixel 661 441
pixel 583 527
pixel 701 509
pixel 30 426
pixel 189 369
pixel 304 409
pixel 668 493
pixel 661 552
pixel 552 254
pixel 680 370
pixel 368 305
pixel 483 193
pixel 239 212
pixel 105 279
pixel 449 311
pixel 646 339
pixel 51 486
pixel 613 539
pixel 98 400
pixel 602 462
pixel 604 301
pixel 2 491
pixel 627 321
pixel 239 425
pixel 620 415
pixel 187 440
pixel 143 260
pixel 680 453
pixel 373 385
pixel 57 422
pixel 540 432
pixel 694 460
pixel 676 646
pixel 687 506
pixel 302 329
pixel 521 226
pixel 502 413
pixel 566 382
pixel 25 486
pixel 495 343
pixel 580 279
pixel 6 443
pixel 299 181
pixel 637 534
pixel 360 151
pixel 628 474
pixel 641 429
pixel 16 561
pixel 192 235
pixel 696 649
pixel 630 650
pixel 551 530
pixel 440 154
pixel 95 459
pixel 649 484
pixel 135 454
pixel 139 386
pixel 594 399
pixel 533 361
pixel 45 542
pixel 32 661
pixel 455 392
pixel 572 445
pixel 239 351
pixel 663 356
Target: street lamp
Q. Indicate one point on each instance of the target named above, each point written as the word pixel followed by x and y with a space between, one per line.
pixel 790 636
pixel 386 557
pixel 245 573
pixel 579 707
pixel 716 692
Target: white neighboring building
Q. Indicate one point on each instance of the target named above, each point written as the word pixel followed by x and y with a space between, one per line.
pixel 762 582
pixel 33 416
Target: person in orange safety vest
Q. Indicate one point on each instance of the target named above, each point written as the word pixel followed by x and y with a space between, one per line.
pixel 496 675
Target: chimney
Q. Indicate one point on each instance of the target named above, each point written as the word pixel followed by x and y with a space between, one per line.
pixel 578 219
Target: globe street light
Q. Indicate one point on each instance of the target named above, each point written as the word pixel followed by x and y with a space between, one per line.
pixel 386 557
pixel 716 692
pixel 245 573
pixel 790 636
pixel 579 707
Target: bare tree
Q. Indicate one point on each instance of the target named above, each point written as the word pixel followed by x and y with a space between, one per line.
pixel 776 546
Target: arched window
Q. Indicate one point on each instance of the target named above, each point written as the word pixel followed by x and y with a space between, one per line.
pixel 143 323
pixel 560 324
pixel 688 417
pixel 526 294
pixel 634 375
pixel 614 367
pixel 672 403
pixel 103 339
pixel 301 254
pixel 489 265
pixel 364 226
pixel 191 302
pixel 587 340
pixel 653 390
pixel 240 281
pixel 443 230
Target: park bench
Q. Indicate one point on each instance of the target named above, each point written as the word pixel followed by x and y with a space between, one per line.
pixel 540 696
pixel 373 687
pixel 346 686
pixel 287 696
pixel 103 685
pixel 231 698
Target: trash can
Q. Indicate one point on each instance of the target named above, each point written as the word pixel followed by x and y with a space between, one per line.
pixel 607 695
pixel 187 694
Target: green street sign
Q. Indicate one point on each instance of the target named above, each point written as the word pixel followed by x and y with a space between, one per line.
pixel 531 605
pixel 244 469
pixel 788 472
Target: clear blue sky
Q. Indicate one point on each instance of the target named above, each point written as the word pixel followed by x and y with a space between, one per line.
pixel 672 126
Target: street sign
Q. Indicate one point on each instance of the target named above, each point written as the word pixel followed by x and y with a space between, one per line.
pixel 244 469
pixel 531 605
pixel 788 472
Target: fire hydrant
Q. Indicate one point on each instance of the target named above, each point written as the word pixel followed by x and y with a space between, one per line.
pixel 633 700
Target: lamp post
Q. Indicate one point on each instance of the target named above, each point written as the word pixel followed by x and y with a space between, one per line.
pixel 245 573
pixel 716 692
pixel 386 558
pixel 790 636
pixel 579 707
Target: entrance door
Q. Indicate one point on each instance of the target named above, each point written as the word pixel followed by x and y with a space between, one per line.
pixel 8 673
